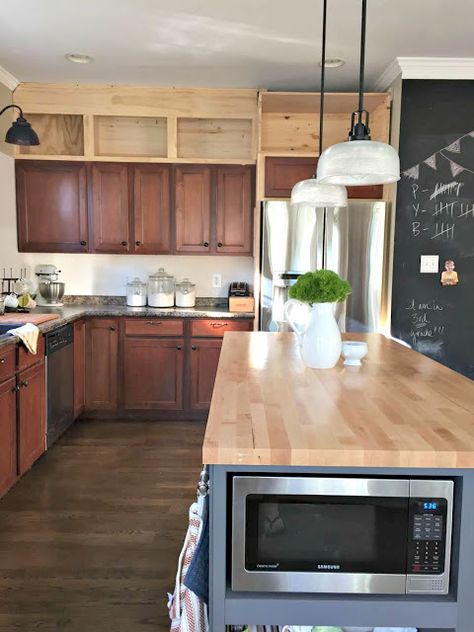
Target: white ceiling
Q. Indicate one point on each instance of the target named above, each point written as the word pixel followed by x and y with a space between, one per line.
pixel 271 44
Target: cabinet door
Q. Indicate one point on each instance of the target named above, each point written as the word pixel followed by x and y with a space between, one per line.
pixel 31 416
pixel 51 206
pixel 234 206
pixel 151 208
pixel 7 435
pixel 204 361
pixel 101 364
pixel 281 174
pixel 109 207
pixel 79 367
pixel 193 209
pixel 154 373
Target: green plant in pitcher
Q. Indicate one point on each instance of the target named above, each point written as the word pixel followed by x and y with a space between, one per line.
pixel 321 286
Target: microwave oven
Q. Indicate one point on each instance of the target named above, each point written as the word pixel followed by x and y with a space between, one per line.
pixel 341 535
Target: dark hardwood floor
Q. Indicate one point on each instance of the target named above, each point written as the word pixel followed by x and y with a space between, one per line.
pixel 89 538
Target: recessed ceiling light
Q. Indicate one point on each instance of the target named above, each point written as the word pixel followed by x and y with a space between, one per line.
pixel 77 58
pixel 333 62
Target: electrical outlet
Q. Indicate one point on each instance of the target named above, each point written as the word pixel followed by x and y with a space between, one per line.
pixel 216 280
pixel 429 264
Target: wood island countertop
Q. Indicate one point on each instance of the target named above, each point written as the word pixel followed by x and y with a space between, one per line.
pixel 399 409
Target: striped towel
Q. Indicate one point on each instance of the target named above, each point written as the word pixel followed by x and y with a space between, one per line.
pixel 187 612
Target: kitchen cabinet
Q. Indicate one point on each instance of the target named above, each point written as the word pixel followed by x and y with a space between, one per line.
pixel 52 206
pixel 101 364
pixel 281 174
pixel 8 442
pixel 151 209
pixel 193 209
pixel 31 416
pixel 153 373
pixel 204 360
pixel 79 367
pixel 109 207
pixel 234 210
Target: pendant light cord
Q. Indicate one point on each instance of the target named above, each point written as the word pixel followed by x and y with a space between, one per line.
pixel 323 75
pixel 362 56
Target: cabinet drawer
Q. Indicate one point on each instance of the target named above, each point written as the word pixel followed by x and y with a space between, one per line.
pixel 27 359
pixel 218 327
pixel 153 327
pixel 7 362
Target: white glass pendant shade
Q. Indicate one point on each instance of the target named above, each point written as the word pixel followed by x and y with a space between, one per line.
pixel 358 163
pixel 314 193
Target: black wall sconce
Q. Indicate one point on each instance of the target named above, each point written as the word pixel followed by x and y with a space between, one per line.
pixel 21 132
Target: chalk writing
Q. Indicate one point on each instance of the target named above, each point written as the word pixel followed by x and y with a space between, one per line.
pixel 424 322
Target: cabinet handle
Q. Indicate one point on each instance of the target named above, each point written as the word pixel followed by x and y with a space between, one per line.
pixel 153 322
pixel 15 389
pixel 3 360
pixel 138 243
pixel 24 384
pixel 220 244
pixel 112 328
pixel 124 243
pixel 179 347
pixel 218 325
pixel 83 243
pixel 194 348
pixel 206 244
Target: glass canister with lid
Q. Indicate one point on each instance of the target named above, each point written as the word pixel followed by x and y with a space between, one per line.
pixel 160 289
pixel 136 293
pixel 185 294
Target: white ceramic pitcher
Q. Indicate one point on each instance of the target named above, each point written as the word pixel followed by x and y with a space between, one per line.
pixel 319 337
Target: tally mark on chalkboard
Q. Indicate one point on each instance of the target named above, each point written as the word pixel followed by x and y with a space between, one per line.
pixel 431 161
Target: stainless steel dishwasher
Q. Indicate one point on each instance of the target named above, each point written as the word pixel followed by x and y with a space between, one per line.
pixel 59 382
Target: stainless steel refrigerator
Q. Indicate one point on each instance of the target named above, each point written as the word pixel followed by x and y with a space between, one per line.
pixel 348 240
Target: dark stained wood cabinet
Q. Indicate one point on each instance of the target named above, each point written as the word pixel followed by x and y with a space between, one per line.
pixel 234 210
pixel 79 367
pixel 204 360
pixel 153 373
pixel 31 416
pixel 109 206
pixel 101 353
pixel 151 209
pixel 193 209
pixel 281 174
pixel 8 435
pixel 52 206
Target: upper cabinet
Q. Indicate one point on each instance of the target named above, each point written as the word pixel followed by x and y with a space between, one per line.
pixel 52 206
pixel 193 209
pixel 234 210
pixel 109 207
pixel 151 209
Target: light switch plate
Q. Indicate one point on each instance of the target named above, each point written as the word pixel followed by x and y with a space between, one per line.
pixel 429 264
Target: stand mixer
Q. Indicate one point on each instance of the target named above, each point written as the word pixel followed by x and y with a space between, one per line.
pixel 50 288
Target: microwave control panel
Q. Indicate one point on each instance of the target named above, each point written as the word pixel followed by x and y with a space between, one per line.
pixel 427 536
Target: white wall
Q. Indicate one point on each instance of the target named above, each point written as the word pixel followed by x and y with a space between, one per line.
pixel 107 274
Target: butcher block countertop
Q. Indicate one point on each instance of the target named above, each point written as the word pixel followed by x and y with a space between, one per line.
pixel 399 409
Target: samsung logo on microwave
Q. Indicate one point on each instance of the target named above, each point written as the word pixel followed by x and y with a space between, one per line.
pixel 328 567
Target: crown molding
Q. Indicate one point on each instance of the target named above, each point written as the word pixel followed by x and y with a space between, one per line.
pixel 8 79
pixel 426 68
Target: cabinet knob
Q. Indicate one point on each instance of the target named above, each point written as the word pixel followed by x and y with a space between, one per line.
pixel 138 243
pixel 179 347
pixel 206 244
pixel 194 348
pixel 124 243
pixel 15 389
pixel 24 384
pixel 113 328
pixel 220 244
pixel 2 360
pixel 83 243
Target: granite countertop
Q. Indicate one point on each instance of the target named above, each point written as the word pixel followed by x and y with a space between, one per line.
pixel 70 313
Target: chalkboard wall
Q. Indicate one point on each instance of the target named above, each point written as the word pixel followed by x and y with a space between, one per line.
pixel 435 216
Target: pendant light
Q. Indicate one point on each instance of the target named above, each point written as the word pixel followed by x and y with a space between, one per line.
pixel 359 161
pixel 21 132
pixel 312 192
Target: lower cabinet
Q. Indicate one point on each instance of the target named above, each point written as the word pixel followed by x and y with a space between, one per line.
pixel 79 367
pixel 8 436
pixel 153 373
pixel 31 416
pixel 101 363
pixel 204 360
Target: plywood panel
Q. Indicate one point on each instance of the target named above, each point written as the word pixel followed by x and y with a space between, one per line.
pixel 130 136
pixel 214 138
pixel 301 102
pixel 59 134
